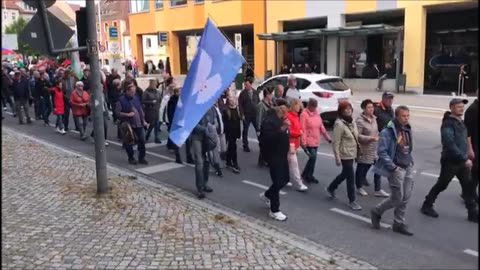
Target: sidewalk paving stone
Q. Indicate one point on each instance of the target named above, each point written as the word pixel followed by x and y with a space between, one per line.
pixel 52 218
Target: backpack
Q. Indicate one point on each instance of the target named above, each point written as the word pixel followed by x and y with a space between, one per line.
pixel 211 135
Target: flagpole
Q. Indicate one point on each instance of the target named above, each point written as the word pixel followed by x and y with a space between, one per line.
pixel 223 33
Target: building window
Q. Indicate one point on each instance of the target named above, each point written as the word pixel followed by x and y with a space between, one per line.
pixel 114 24
pixel 199 1
pixel 98 28
pixel 106 45
pixel 106 27
pixel 138 6
pixel 107 62
pixel 158 4
pixel 13 16
pixel 129 43
pixel 176 3
pixel 149 43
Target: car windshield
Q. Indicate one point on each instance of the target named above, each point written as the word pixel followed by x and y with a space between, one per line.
pixel 334 84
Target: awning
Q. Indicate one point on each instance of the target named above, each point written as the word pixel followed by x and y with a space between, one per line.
pixel 372 29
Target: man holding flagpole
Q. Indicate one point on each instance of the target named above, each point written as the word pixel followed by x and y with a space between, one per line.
pixel 213 68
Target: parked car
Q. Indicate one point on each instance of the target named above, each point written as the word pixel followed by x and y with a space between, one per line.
pixel 327 90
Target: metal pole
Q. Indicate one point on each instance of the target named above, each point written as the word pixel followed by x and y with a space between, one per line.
pixel 98 121
pixel 397 64
pixel 275 70
pixel 100 27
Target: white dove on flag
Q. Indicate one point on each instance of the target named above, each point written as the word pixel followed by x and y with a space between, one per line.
pixel 204 93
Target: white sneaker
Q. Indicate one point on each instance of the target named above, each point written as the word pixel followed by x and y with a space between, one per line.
pixel 362 192
pixel 289 184
pixel 381 193
pixel 58 130
pixel 107 144
pixel 302 188
pixel 278 216
pixel 265 199
pixel 63 131
pixel 355 206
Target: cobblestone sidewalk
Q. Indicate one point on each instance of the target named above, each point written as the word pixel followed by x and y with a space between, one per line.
pixel 52 219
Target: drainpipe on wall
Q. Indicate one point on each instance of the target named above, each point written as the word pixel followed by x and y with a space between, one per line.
pixel 265 42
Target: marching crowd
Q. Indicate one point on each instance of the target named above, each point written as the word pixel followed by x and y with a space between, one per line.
pixel 380 137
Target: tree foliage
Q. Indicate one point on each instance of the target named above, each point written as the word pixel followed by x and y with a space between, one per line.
pixel 16 28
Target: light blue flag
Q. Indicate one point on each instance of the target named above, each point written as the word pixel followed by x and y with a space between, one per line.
pixel 215 65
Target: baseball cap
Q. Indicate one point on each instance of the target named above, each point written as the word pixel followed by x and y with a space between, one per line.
pixel 456 101
pixel 387 94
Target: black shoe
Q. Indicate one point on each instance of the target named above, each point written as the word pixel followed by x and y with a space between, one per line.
pixel 429 211
pixel 200 195
pixel 29 121
pixel 219 173
pixel 158 141
pixel 236 169
pixel 21 123
pixel 207 189
pixel 246 149
pixel 375 218
pixel 314 180
pixel 132 161
pixel 473 217
pixel 190 160
pixel 401 229
pixel 143 161
pixel 178 160
pixel 14 115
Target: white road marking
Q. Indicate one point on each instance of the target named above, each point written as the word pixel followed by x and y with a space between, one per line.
pixel 471 252
pixel 355 216
pixel 153 145
pixel 260 186
pixel 436 175
pixel 160 168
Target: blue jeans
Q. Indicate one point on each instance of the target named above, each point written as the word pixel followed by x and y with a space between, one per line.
pixel 46 109
pixel 156 130
pixel 140 133
pixel 59 123
pixel 202 164
pixel 309 169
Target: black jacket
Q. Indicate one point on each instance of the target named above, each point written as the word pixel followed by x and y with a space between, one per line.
pixel 171 106
pixel 274 144
pixel 231 122
pixel 454 139
pixel 247 105
pixel 42 88
pixel 384 115
pixel 21 90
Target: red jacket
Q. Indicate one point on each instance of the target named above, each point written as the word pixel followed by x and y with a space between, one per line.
pixel 295 130
pixel 76 101
pixel 58 105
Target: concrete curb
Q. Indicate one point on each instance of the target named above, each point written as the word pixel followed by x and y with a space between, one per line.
pixel 342 260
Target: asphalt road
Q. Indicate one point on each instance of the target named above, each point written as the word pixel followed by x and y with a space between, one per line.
pixel 449 242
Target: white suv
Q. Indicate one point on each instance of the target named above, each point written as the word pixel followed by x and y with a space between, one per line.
pixel 327 90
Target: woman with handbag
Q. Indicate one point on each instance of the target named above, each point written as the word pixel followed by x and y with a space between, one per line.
pixel 345 148
pixel 80 103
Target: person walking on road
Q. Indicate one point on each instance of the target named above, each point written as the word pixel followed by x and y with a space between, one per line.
pixel 35 95
pixel 292 92
pixel 42 86
pixel 278 94
pixel 471 122
pixel 21 93
pixel 68 87
pixel 151 101
pixel 345 149
pixel 275 150
pixel 395 161
pixel 247 102
pixel 295 133
pixel 231 119
pixel 263 107
pixel 368 138
pixel 201 144
pixel 454 161
pixel 132 121
pixel 384 112
pixel 80 104
pixel 58 106
pixel 214 155
pixel 312 125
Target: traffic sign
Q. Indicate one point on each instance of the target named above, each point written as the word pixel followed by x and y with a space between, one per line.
pixel 34 3
pixel 113 33
pixel 163 38
pixel 114 46
pixel 35 35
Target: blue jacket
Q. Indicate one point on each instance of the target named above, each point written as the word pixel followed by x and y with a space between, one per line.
pixel 387 147
pixel 21 89
pixel 454 139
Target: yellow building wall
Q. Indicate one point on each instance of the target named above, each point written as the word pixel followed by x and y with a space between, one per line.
pixel 278 11
pixel 193 17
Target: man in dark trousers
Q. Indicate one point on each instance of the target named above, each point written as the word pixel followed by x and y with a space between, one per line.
pixel 471 121
pixel 248 101
pixel 454 161
pixel 384 112
pixel 21 93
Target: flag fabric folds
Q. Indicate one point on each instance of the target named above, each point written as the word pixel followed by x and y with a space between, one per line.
pixel 75 59
pixel 215 65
